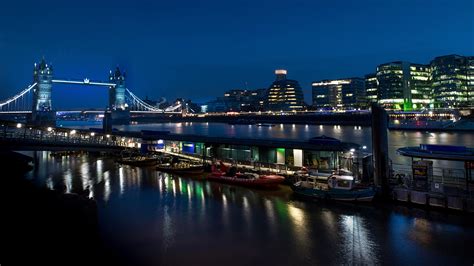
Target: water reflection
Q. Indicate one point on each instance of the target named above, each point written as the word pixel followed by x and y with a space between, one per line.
pixel 158 216
pixel 358 248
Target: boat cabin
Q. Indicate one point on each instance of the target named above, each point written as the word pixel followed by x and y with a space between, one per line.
pixel 338 180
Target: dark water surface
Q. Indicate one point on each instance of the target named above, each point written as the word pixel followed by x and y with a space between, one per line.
pixel 152 218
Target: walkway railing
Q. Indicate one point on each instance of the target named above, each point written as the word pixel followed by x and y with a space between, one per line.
pixel 62 136
pixel 450 181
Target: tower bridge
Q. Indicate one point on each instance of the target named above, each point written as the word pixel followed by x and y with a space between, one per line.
pixel 36 98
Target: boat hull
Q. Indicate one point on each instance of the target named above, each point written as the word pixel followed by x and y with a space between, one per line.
pixel 195 170
pixel 140 163
pixel 261 182
pixel 365 194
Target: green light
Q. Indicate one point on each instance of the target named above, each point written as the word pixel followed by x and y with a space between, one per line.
pixel 282 209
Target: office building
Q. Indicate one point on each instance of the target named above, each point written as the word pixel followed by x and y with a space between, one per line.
pixel 371 88
pixel 452 81
pixel 404 86
pixel 238 100
pixel 284 94
pixel 339 94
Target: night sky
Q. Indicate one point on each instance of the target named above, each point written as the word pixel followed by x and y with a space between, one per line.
pixel 199 49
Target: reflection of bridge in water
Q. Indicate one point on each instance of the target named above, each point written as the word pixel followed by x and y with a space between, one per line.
pixel 36 102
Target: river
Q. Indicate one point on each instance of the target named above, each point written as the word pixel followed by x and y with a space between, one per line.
pixel 151 218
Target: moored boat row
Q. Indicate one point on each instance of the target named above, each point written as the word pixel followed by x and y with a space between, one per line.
pixel 340 185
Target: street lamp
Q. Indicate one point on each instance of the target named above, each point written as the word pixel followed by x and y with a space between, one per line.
pixel 92 134
pixel 72 132
pixel 18 125
pixel 50 129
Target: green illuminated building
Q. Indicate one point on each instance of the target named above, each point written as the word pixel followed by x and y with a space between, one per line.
pixel 403 86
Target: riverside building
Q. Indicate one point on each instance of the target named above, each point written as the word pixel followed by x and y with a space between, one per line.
pixel 453 81
pixel 403 86
pixel 340 94
pixel 284 94
pixel 371 88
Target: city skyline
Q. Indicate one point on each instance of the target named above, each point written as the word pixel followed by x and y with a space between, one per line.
pixel 173 59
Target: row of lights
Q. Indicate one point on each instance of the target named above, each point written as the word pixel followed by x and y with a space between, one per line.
pixel 72 132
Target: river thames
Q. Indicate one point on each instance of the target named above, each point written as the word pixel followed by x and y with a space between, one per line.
pixel 152 218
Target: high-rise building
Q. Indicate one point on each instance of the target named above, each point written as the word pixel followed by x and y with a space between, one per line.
pixel 393 90
pixel 348 93
pixel 470 81
pixel 452 81
pixel 403 85
pixel 371 88
pixel 239 100
pixel 284 94
pixel 420 86
pixel 245 100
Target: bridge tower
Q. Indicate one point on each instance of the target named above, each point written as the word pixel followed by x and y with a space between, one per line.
pixel 120 113
pixel 42 112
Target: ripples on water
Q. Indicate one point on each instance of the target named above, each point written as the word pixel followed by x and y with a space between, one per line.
pixel 149 217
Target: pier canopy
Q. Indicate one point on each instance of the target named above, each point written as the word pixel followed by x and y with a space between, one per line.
pixel 323 153
pixel 439 152
pixel 322 143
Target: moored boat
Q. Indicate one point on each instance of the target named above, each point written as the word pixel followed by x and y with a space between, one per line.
pixel 248 179
pixel 185 168
pixel 138 161
pixel 338 187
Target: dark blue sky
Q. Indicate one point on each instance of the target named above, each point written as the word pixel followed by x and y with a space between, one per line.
pixel 199 49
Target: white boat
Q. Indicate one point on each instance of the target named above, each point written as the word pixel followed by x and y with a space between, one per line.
pixel 338 186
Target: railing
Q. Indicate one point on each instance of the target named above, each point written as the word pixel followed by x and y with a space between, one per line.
pixel 61 136
pixel 453 180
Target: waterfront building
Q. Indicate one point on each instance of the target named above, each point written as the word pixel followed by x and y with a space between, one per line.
pixel 420 86
pixel 238 100
pixel 470 81
pixel 371 88
pixel 216 106
pixel 392 81
pixel 284 94
pixel 348 94
pixel 403 85
pixel 453 81
pixel 245 100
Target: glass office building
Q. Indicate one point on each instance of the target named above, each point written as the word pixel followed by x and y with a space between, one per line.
pixel 371 88
pixel 284 94
pixel 452 81
pixel 339 94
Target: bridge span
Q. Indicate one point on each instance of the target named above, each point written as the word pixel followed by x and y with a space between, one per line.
pixel 36 99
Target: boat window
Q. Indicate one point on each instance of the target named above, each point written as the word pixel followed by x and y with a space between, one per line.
pixel 343 183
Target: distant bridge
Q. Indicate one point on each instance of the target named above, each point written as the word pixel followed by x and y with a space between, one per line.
pixel 36 98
